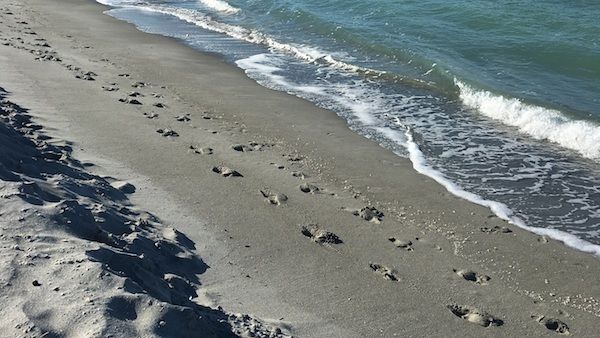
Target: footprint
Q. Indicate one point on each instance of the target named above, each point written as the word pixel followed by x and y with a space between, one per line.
pixel 201 151
pixel 309 188
pixel 259 146
pixel 135 94
pixel 553 324
pixel 159 105
pixel 473 276
pixel 474 316
pixel 138 84
pixel 49 57
pixel 89 76
pixel 150 115
pixel 251 146
pixel 295 158
pixel 406 245
pixel 110 88
pixel 167 132
pixel 124 75
pixel 386 272
pixel 226 172
pixel 274 198
pixel 496 229
pixel 130 101
pixel 319 235
pixel 241 148
pixel 370 214
pixel 299 174
pixel 183 118
pixel 84 77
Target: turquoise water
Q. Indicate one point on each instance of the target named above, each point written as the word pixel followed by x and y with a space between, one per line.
pixel 496 100
pixel 544 51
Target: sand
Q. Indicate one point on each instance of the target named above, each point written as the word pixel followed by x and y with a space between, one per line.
pixel 169 195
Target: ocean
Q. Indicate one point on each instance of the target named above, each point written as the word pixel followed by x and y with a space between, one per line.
pixel 499 101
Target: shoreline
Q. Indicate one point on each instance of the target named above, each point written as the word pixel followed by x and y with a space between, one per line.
pixel 419 162
pixel 510 110
pixel 347 294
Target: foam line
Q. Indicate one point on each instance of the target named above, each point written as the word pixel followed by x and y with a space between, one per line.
pixel 499 209
pixel 305 53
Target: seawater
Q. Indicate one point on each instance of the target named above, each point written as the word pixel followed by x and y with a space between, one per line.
pixel 496 100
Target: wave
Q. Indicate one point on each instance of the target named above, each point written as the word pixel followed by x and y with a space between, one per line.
pixel 302 52
pixel 504 109
pixel 220 6
pixel 116 3
pixel 499 209
pixel 261 68
pixel 538 122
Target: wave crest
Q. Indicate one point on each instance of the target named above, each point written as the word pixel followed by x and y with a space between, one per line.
pixel 499 209
pixel 220 6
pixel 538 122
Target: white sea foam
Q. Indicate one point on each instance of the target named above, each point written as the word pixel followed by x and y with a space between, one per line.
pixel 499 209
pixel 260 64
pixel 538 122
pixel 220 6
pixel 263 68
pixel 305 53
pixel 114 2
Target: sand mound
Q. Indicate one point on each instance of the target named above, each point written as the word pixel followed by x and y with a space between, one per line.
pixel 77 259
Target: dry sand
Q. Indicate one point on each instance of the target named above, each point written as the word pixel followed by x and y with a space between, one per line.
pixel 232 198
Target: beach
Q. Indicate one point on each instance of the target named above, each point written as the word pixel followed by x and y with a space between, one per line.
pixel 279 219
